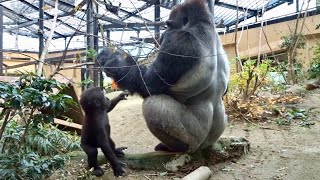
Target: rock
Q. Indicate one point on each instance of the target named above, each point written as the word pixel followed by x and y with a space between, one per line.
pixel 311 86
pixel 295 89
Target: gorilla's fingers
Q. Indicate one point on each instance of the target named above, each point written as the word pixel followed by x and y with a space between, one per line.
pixel 123 95
pixel 122 148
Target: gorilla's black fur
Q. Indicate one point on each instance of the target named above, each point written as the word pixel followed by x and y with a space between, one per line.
pixel 96 130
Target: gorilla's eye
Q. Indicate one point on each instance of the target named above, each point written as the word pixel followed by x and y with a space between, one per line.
pixel 185 20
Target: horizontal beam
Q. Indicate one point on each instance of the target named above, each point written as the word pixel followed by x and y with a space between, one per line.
pixel 134 15
pixel 47 14
pixel 134 25
pixel 106 18
pixel 48 60
pixel 22 65
pixel 233 7
pixel 138 10
pixel 26 18
pixel 22 33
pixel 269 6
pixel 21 25
pixel 145 40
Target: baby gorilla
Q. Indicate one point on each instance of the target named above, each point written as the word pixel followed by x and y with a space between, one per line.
pixel 96 130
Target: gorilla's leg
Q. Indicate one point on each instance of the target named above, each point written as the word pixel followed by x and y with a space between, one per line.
pixel 118 151
pixel 117 166
pixel 92 154
pixel 175 145
pixel 219 124
pixel 177 126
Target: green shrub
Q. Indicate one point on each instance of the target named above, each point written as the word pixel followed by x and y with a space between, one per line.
pixel 314 70
pixel 30 146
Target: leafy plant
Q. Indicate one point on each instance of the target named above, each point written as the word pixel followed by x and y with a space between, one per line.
pixel 85 82
pixel 251 78
pixel 314 70
pixel 30 145
pixel 290 115
pixel 42 153
pixel 291 43
pixel 91 53
pixel 283 121
pixel 297 68
pixel 288 40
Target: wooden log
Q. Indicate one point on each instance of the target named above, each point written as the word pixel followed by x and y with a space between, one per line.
pixel 223 150
pixel 202 173
pixel 68 126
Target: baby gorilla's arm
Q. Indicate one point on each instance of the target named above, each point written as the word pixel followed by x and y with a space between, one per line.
pixel 117 99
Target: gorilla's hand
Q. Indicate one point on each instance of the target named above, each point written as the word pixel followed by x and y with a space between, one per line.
pixel 119 151
pixel 123 95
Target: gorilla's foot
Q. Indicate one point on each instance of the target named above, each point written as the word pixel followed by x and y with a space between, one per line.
pixel 178 148
pixel 97 171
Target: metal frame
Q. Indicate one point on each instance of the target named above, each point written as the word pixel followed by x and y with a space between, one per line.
pixel 225 11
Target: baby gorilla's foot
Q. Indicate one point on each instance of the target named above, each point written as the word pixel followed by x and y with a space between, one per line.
pixel 119 151
pixel 97 171
pixel 120 169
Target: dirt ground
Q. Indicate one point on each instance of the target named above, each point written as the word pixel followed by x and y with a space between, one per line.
pixel 287 152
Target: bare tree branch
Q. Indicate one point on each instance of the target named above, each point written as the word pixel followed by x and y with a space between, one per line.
pixel 48 42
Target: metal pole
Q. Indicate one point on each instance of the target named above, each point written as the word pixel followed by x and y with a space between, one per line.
pixel 1 41
pixel 41 32
pixel 157 18
pixel 108 42
pixel 96 47
pixel 108 37
pixel 297 6
pixel 175 2
pixel 65 42
pixel 90 19
pixel 90 24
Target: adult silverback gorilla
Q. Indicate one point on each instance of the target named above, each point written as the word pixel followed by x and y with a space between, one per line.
pixel 183 87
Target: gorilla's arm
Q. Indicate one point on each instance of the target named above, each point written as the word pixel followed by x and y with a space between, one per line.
pixel 171 63
pixel 116 100
pixel 113 103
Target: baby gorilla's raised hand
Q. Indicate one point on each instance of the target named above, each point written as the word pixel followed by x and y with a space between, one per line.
pixel 123 95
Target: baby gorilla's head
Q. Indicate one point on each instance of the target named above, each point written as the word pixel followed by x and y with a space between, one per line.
pixel 93 99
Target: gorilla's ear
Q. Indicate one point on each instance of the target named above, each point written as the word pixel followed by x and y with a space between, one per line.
pixel 169 23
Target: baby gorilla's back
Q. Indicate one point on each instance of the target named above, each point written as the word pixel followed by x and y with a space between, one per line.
pixel 96 131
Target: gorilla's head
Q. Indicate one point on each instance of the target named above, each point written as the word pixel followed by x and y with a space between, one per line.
pixel 93 99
